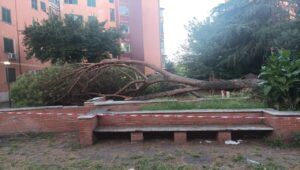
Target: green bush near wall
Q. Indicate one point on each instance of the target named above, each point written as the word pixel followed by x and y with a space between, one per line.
pixel 28 90
pixel 281 83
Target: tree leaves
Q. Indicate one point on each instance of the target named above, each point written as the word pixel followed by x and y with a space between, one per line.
pixel 70 40
pixel 238 37
pixel 282 80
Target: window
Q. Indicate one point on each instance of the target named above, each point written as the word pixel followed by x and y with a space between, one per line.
pixel 125 47
pixel 124 28
pixel 112 15
pixel 34 4
pixel 92 18
pixel 43 6
pixel 6 17
pixel 56 2
pixel 71 2
pixel 124 10
pixel 8 45
pixel 10 75
pixel 91 3
pixel 112 1
pixel 75 17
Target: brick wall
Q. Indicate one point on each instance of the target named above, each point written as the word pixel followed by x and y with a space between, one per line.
pixel 179 119
pixel 284 126
pixel 65 119
pixel 40 120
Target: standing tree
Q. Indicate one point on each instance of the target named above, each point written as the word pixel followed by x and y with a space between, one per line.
pixel 238 37
pixel 70 40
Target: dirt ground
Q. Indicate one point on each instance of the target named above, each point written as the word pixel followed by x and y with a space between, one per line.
pixel 62 151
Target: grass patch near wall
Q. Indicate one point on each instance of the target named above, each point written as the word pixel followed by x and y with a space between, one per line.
pixel 209 104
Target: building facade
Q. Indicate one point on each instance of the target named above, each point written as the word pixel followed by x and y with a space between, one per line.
pixel 141 21
pixel 138 19
pixel 15 15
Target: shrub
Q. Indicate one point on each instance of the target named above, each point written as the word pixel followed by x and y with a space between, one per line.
pixel 296 139
pixel 281 83
pixel 42 88
pixel 28 89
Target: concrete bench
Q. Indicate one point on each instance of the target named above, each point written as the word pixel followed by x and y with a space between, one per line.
pixel 180 131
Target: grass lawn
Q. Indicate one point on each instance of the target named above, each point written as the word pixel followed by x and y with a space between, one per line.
pixel 209 104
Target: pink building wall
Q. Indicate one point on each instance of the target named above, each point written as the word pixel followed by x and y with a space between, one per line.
pixel 8 31
pixel 22 14
pixel 151 34
pixel 101 10
pixel 144 36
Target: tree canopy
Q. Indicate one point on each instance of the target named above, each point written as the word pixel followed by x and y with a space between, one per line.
pixel 70 40
pixel 239 35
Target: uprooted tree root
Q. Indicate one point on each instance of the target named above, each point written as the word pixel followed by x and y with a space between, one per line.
pixel 79 81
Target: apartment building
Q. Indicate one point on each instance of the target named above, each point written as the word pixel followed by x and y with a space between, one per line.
pixel 103 10
pixel 139 20
pixel 15 15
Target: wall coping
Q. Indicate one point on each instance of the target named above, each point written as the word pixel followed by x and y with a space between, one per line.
pixel 281 113
pixel 190 111
pixel 106 103
pixel 268 111
pixel 88 116
pixel 38 108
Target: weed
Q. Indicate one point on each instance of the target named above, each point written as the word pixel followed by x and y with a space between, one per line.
pixel 295 141
pixel 153 164
pixel 238 158
pixel 193 154
pixel 275 142
pixel 210 167
pixel 72 145
pixel 85 164
pixel 136 157
pixel 268 166
pixel 257 154
pixel 43 166
pixel 35 136
pixel 178 152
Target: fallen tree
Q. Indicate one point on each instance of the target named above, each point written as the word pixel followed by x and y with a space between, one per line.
pixel 80 81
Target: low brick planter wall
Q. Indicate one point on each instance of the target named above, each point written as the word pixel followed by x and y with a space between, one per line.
pixel 40 119
pixel 76 119
pixel 284 123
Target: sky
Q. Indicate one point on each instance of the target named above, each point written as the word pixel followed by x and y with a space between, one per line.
pixel 177 14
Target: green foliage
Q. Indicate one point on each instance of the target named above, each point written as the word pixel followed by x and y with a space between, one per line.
pixel 170 67
pixel 209 104
pixel 70 40
pixel 268 166
pixel 155 164
pixel 160 87
pixel 238 37
pixel 41 88
pixel 238 158
pixel 295 140
pixel 275 142
pixel 28 89
pixel 281 77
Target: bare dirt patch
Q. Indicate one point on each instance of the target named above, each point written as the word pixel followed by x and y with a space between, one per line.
pixel 62 151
